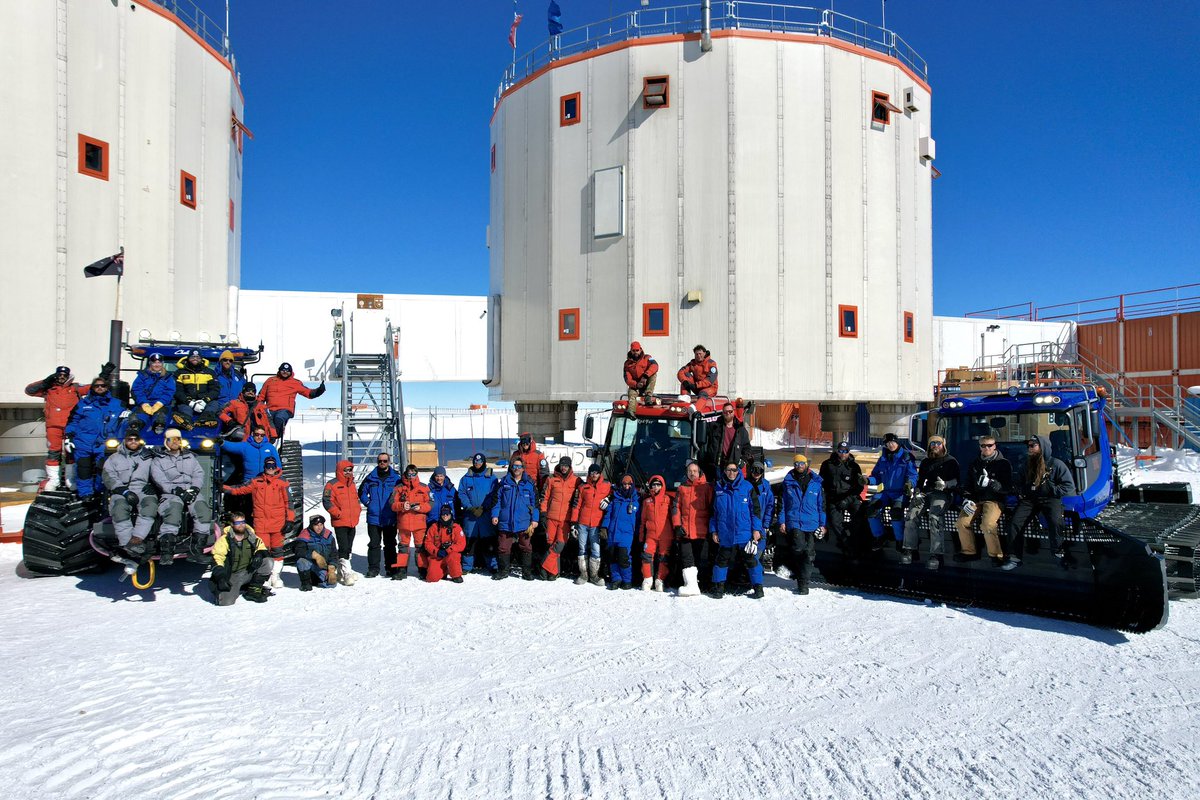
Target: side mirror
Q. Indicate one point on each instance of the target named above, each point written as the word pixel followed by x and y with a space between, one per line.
pixel 589 429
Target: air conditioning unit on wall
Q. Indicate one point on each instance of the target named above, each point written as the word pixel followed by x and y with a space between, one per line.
pixel 910 99
pixel 928 148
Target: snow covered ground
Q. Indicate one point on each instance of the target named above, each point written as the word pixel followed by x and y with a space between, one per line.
pixel 1171 466
pixel 530 690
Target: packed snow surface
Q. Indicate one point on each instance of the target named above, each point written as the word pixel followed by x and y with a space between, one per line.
pixel 529 690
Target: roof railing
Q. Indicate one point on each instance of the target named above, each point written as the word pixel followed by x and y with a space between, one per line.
pixel 1130 305
pixel 190 14
pixel 728 15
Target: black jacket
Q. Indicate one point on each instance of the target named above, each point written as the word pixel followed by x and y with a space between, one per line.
pixel 738 448
pixel 999 480
pixel 1057 483
pixel 841 481
pixel 944 467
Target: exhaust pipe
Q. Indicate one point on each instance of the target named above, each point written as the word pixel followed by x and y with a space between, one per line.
pixel 705 26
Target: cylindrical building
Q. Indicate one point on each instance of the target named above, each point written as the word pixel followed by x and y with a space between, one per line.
pixel 123 129
pixel 762 188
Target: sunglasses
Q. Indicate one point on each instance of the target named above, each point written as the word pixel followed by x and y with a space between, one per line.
pixel 239 523
pixel 348 469
pixel 382 463
pixel 731 469
pixel 226 360
pixel 517 466
pixel 99 386
pixel 986 446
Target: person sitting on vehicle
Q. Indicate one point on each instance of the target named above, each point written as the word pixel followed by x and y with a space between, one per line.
pixel 842 481
pixel 411 502
pixel 195 392
pixel 177 475
pixel 699 376
pixel 656 535
pixel 896 473
pixel 937 479
pixel 641 371
pixel 736 530
pixel 1041 487
pixel 153 395
pixel 125 475
pixel 536 466
pixel 801 523
pixel 473 491
pixel 989 480
pixel 279 394
pixel 97 417
pixel 61 394
pixel 272 511
pixel 690 514
pixel 316 556
pixel 557 514
pixel 728 441
pixel 514 513
pixel 230 380
pixel 443 545
pixel 340 499
pixel 618 528
pixel 587 509
pixel 253 452
pixel 243 413
pixel 240 564
pixel 375 492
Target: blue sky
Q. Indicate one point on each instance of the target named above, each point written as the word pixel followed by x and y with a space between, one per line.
pixel 1067 133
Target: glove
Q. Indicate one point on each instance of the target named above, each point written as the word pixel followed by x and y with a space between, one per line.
pixel 752 547
pixel 908 488
pixel 221 582
pixel 984 480
pixel 147 409
pixel 863 480
pixel 131 498
pixel 198 405
pixel 939 484
pixel 532 527
pixel 317 392
pixel 477 512
pixel 680 533
pixel 48 381
pixel 319 560
pixel 107 369
pixel 604 503
pixel 575 530
pixel 68 446
pixel 124 414
pixel 443 551
pixel 190 494
pixel 603 533
pixel 820 532
pixel 968 507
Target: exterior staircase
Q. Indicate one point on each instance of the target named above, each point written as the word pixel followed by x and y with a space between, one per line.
pixel 372 403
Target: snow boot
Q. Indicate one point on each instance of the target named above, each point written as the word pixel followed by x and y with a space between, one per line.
pixel 646 584
pixel 906 556
pixel 783 572
pixel 305 581
pixel 934 562
pixel 275 581
pixel 346 574
pixel 255 593
pixel 136 546
pixel 456 580
pixel 614 585
pixel 68 477
pixel 718 590
pixel 691 585
pixel 658 585
pixel 758 593
pixel 527 573
pixel 399 574
pixel 594 576
pixel 373 572
pixel 626 585
pixel 1012 563
pixel 801 588
pixel 166 550
pixel 583 572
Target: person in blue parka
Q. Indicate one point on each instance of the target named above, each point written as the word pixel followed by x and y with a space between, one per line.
pixel 473 491
pixel 253 452
pixel 514 512
pixel 735 528
pixel 97 417
pixel 230 380
pixel 801 522
pixel 762 503
pixel 153 395
pixel 896 473
pixel 619 526
pixel 441 493
pixel 375 492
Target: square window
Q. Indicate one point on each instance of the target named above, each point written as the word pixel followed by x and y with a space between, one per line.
pixel 656 92
pixel 909 327
pixel 848 322
pixel 656 319
pixel 568 110
pixel 93 157
pixel 568 324
pixel 187 189
pixel 882 109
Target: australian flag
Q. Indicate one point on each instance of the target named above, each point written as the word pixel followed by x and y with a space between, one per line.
pixel 113 265
pixel 554 19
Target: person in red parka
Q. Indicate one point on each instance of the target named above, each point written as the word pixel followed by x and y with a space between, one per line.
pixel 690 513
pixel 656 535
pixel 61 393
pixel 279 395
pixel 241 414
pixel 557 514
pixel 411 502
pixel 536 468
pixel 587 508
pixel 443 546
pixel 699 376
pixel 340 499
pixel 641 371
pixel 272 511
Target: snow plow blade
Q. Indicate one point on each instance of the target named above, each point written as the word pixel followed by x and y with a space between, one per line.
pixel 1107 579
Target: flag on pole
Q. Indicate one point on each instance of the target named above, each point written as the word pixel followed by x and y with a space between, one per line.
pixel 554 19
pixel 512 32
pixel 113 265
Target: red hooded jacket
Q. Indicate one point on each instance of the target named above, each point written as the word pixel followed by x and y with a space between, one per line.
pixel 692 507
pixel 411 490
pixel 656 515
pixel 272 503
pixel 341 499
pixel 638 368
pixel 436 536
pixel 557 496
pixel 280 393
pixel 60 400
pixel 237 412
pixel 701 373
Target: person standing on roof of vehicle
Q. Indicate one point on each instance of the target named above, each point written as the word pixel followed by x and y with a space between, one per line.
pixel 618 528
pixel 410 501
pixel 443 545
pixel 230 380
pixel 96 417
pixel 937 479
pixel 316 551
pixel 474 489
pixel 375 492
pixel 253 453
pixel 727 441
pixel 279 395
pixel 61 394
pixel 691 511
pixel 1041 486
pixel 441 492
pixel 536 467
pixel 241 564
pixel 896 473
pixel 125 474
pixel 243 413
pixel 340 499
pixel 514 513
pixel 153 395
pixel 641 373
pixel 842 481
pixel 179 478
pixel 272 511
pixel 558 514
pixel 195 392
pixel 699 376
pixel 587 509
pixel 989 480
pixel 736 530
pixel 801 522
pixel 656 535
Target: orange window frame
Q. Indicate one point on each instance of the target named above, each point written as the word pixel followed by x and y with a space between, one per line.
pixel 84 142
pixel 881 100
pixel 851 331
pixel 184 177
pixel 666 95
pixel 563 120
pixel 564 333
pixel 647 309
pixel 910 327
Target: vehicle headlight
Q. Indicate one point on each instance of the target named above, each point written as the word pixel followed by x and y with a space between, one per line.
pixel 111 444
pixel 207 444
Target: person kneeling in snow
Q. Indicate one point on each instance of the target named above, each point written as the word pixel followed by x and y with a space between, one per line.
pixel 444 544
pixel 317 556
pixel 240 564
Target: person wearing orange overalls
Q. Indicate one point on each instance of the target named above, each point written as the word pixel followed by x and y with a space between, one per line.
pixel 411 502
pixel 656 535
pixel 557 514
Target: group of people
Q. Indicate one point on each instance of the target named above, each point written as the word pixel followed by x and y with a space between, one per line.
pixel 698 377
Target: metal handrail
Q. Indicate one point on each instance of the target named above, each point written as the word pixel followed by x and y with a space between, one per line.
pixel 728 15
pixel 205 27
pixel 1130 305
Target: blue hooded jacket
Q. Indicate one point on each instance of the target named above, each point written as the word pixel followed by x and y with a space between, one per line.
pixel 892 470
pixel 151 388
pixel 514 504
pixel 803 510
pixel 621 518
pixel 446 495
pixel 230 383
pixel 375 492
pixel 762 505
pixel 475 487
pixel 732 519
pixel 94 419
pixel 253 454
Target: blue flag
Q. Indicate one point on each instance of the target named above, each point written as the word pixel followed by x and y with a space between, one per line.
pixel 554 19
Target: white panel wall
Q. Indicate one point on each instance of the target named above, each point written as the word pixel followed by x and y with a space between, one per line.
pixel 959 341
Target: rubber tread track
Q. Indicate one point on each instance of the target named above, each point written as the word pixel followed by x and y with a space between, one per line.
pixel 56 540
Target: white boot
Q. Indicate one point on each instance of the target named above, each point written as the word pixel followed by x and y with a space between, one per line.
pixel 53 475
pixel 646 584
pixel 583 572
pixel 275 582
pixel 69 477
pixel 691 582
pixel 346 573
pixel 658 585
